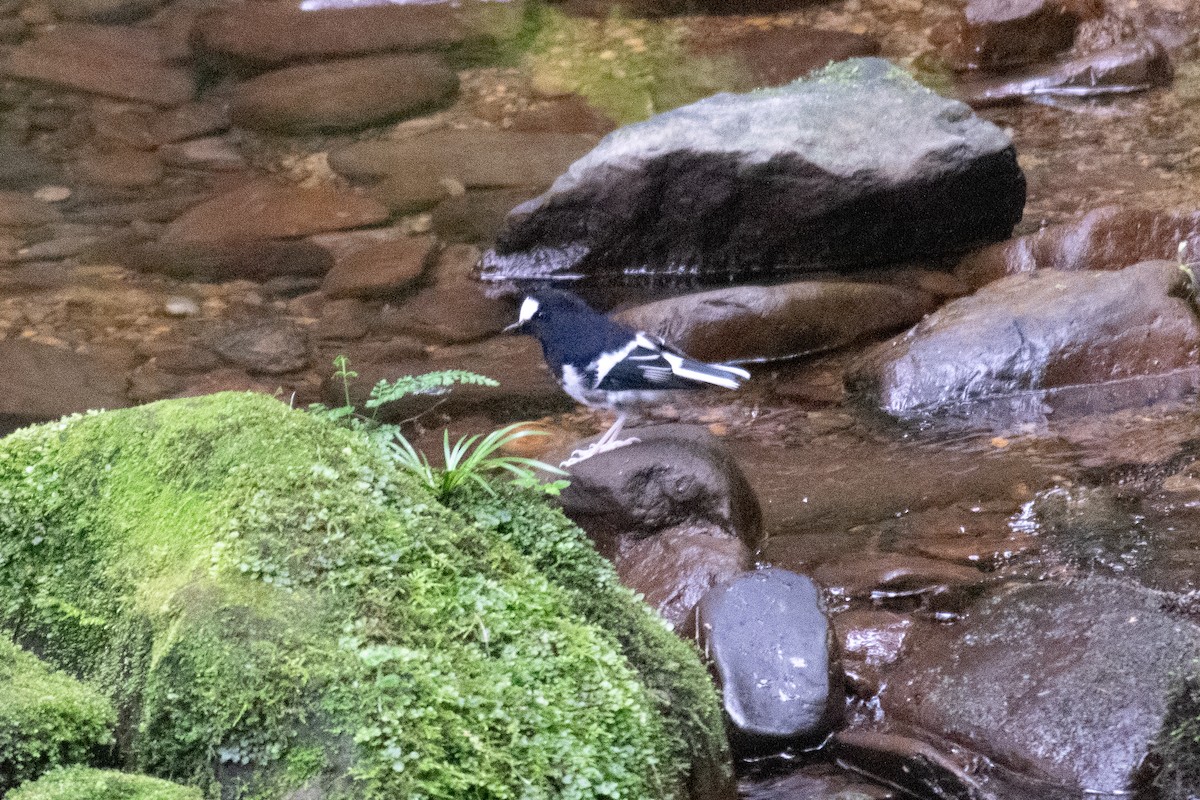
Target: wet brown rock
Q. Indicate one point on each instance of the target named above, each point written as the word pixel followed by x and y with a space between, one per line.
pixel 754 323
pixel 273 33
pixel 342 244
pixel 345 320
pixel 1067 683
pixel 455 307
pixel 12 30
pixel 889 575
pixel 775 658
pixel 180 358
pixel 265 348
pixel 1005 33
pixel 1108 238
pixel 230 380
pixel 777 56
pixel 158 209
pixel 21 168
pixel 342 95
pixel 673 569
pixel 123 168
pixel 103 10
pixel 381 270
pixel 479 159
pixel 19 210
pixel 1126 67
pixel 120 62
pixel 1033 332
pixel 477 217
pixel 569 114
pixel 117 126
pixel 262 209
pixel 43 382
pixel 676 476
pixel 414 192
pixel 231 260
pixel 149 382
pixel 923 764
pixel 189 121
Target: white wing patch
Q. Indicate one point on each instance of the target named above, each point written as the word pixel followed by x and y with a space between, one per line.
pixel 607 361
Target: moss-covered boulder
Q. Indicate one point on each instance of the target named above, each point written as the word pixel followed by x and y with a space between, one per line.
pixel 83 783
pixel 274 605
pixel 47 718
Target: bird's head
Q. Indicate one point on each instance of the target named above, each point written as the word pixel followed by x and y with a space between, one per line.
pixel 541 308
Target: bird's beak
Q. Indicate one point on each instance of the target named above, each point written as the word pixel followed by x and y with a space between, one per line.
pixel 516 327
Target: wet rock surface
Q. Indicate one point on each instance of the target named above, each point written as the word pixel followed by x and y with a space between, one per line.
pixel 744 186
pixel 343 95
pixel 1005 33
pixel 1127 67
pixel 775 658
pixel 277 33
pixel 1034 332
pixel 675 476
pixel 752 323
pixel 1085 661
pixel 1105 239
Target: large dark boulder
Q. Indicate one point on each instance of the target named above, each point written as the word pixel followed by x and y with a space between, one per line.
pixel 1033 332
pixel 858 165
pixel 1069 684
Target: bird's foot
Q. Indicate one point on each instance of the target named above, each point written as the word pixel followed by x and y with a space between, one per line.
pixel 604 448
pixel 580 455
pixel 596 448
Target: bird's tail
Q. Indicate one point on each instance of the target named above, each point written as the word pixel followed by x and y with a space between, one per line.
pixel 724 375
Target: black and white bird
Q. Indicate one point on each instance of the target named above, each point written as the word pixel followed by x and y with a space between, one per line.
pixel 604 364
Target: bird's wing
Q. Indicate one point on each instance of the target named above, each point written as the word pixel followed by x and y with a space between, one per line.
pixel 648 363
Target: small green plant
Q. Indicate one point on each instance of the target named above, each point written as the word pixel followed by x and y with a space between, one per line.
pixel 466 461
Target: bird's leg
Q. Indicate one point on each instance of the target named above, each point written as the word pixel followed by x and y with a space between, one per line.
pixel 606 442
pixel 603 444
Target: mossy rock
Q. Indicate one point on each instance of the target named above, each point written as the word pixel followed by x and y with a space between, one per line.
pixel 283 608
pixel 47 718
pixel 1177 750
pixel 83 783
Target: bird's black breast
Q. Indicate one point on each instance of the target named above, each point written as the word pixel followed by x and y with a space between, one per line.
pixel 579 339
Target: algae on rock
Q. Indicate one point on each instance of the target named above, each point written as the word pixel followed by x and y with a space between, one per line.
pixel 84 783
pixel 47 718
pixel 285 608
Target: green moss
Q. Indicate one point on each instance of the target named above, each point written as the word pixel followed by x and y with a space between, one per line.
pixel 47 718
pixel 671 668
pixel 1178 747
pixel 292 610
pixel 82 783
pixel 629 68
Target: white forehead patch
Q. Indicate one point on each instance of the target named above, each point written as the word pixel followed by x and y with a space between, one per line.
pixel 528 309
